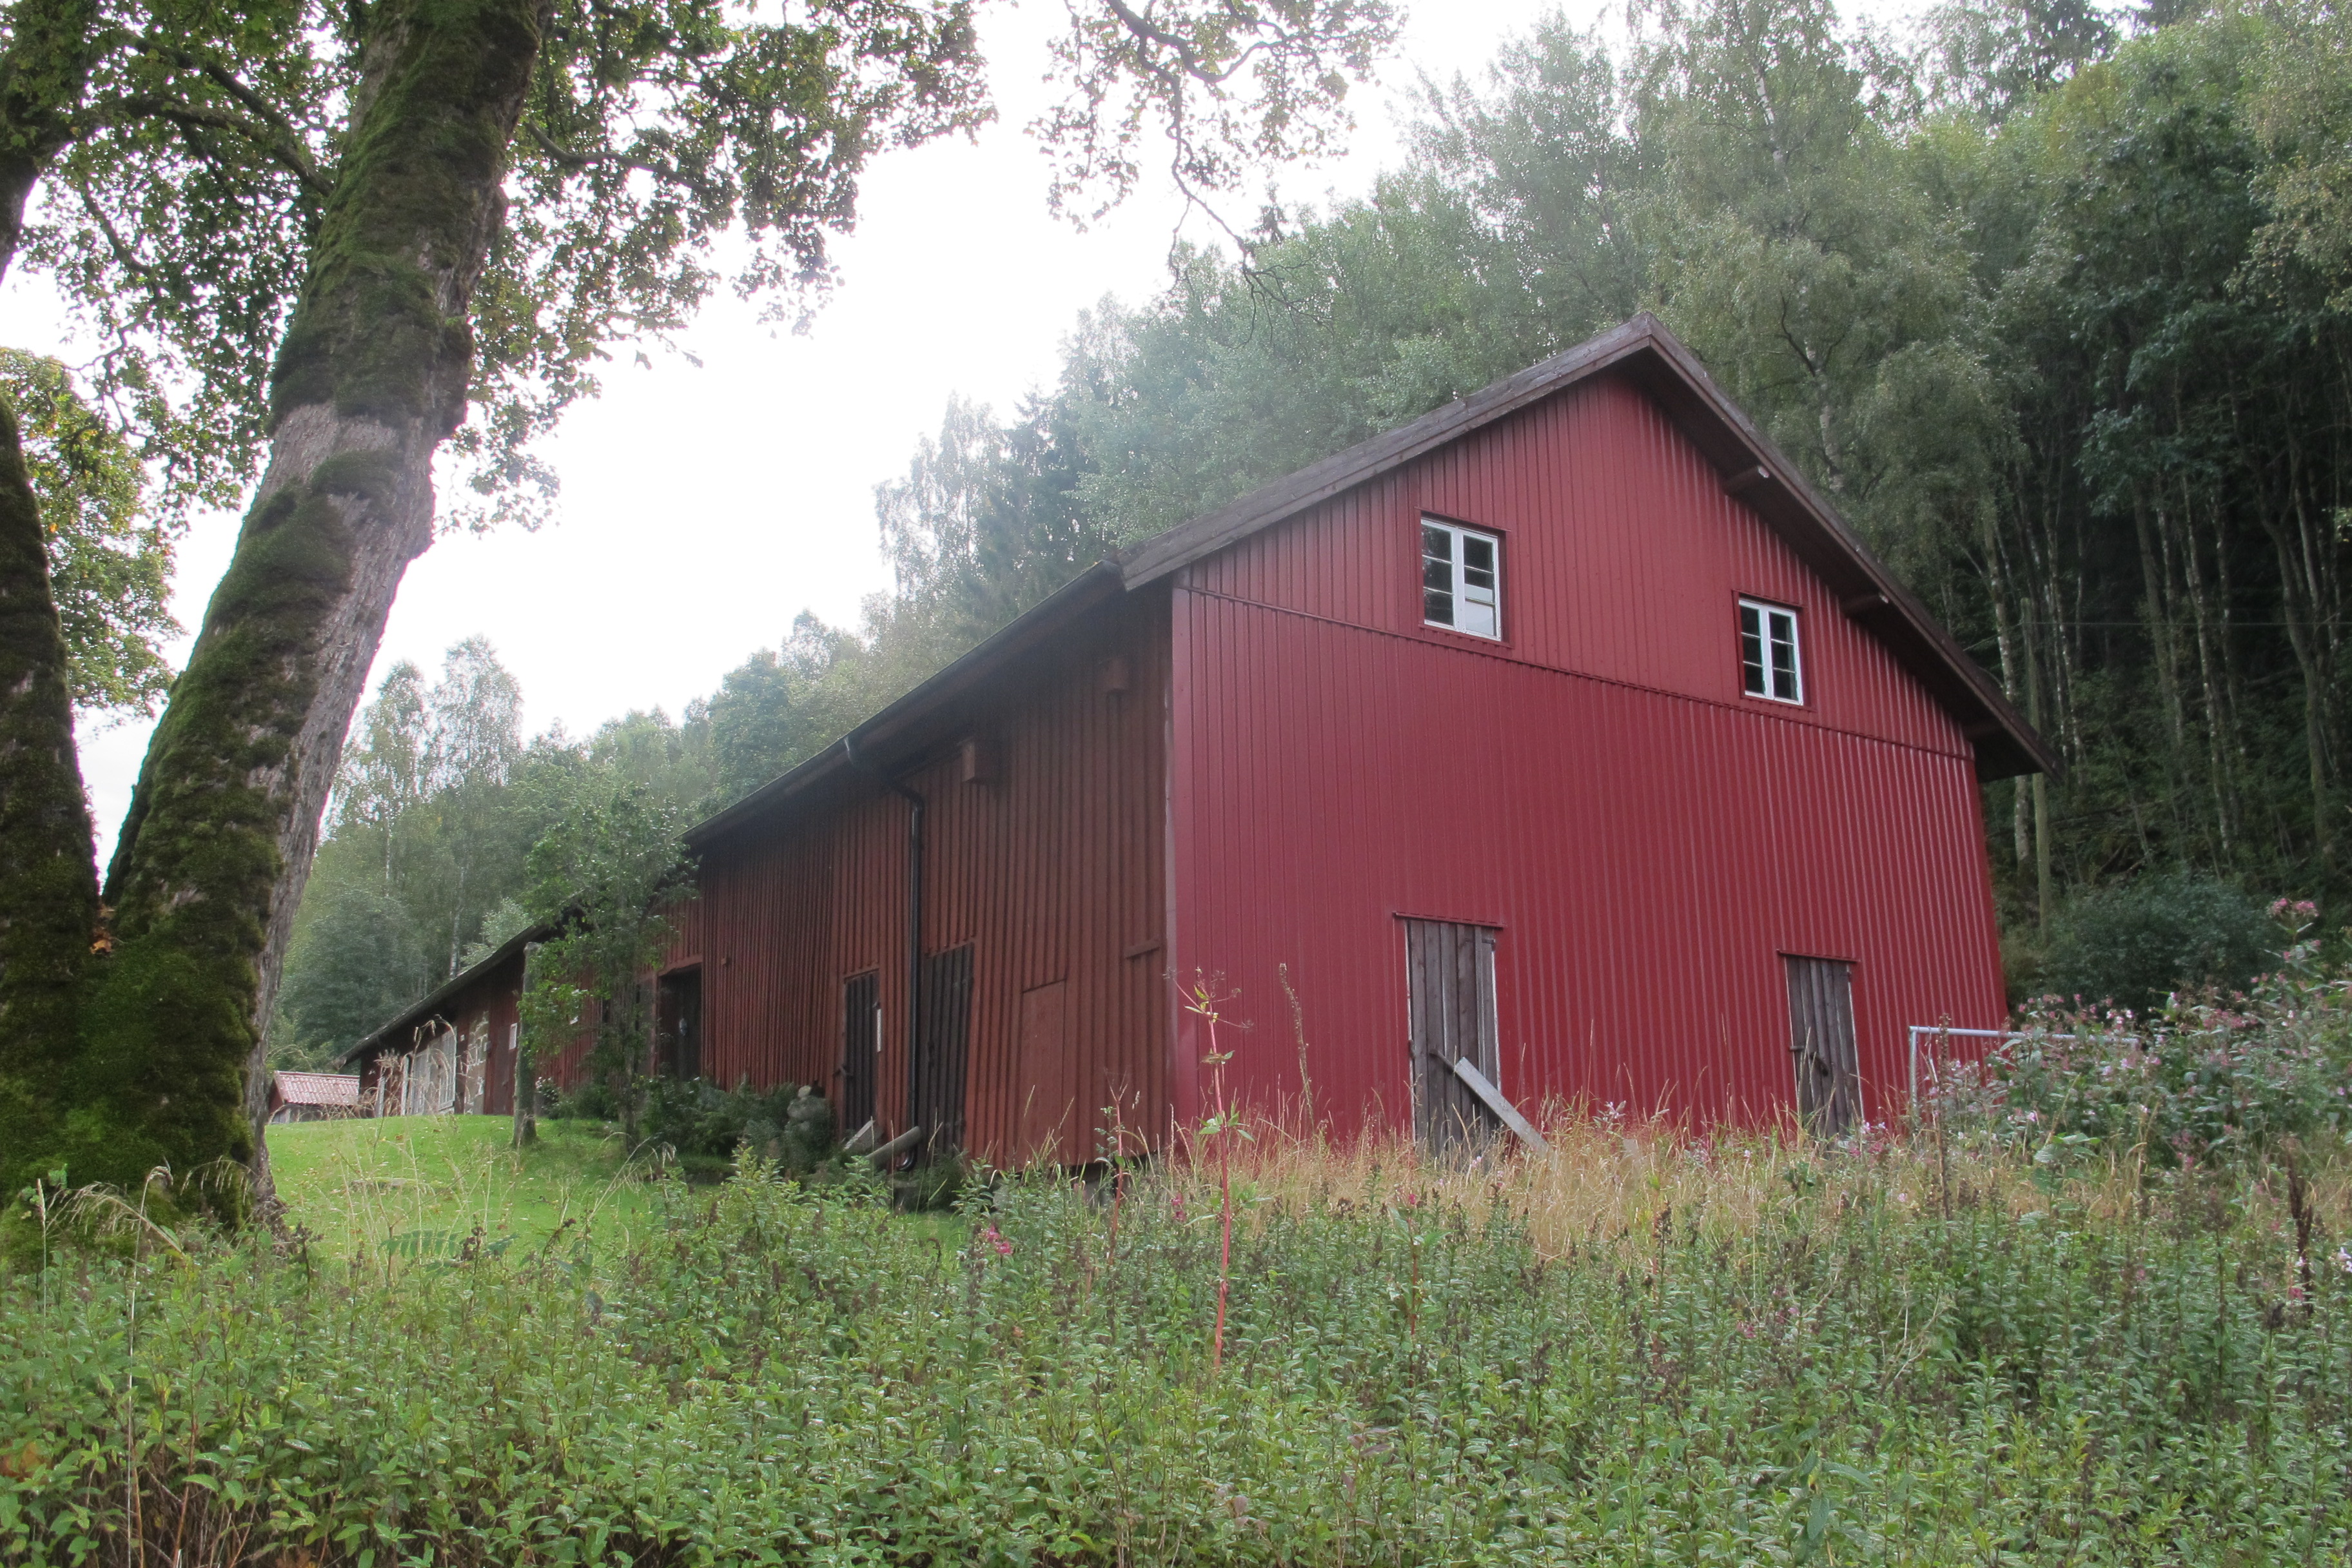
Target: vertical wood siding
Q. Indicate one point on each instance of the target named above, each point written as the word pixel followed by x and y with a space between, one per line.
pixel 1648 841
pixel 488 999
pixel 1049 867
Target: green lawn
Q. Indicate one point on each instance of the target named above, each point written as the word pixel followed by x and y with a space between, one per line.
pixel 425 1184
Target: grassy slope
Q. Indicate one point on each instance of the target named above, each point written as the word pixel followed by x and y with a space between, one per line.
pixel 425 1182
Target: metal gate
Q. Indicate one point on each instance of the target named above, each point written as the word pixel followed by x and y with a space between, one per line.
pixel 1450 990
pixel 1821 1043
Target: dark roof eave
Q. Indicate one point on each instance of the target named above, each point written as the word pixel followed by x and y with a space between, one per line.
pixel 424 1006
pixel 1073 599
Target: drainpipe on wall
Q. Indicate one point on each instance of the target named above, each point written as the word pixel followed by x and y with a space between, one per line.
pixel 916 805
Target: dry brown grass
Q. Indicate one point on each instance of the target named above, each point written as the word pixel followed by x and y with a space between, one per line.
pixel 1610 1180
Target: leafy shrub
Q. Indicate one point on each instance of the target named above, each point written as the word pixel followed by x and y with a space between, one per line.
pixel 930 1184
pixel 2197 1078
pixel 590 1101
pixel 2132 943
pixel 791 1125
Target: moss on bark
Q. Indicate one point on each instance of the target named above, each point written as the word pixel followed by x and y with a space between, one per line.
pixel 384 331
pixel 48 889
pixel 169 1026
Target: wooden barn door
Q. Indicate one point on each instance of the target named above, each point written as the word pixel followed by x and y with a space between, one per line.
pixel 1821 1040
pixel 1450 991
pixel 861 1049
pixel 936 1093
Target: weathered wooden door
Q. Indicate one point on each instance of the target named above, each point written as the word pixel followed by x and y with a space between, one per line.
pixel 861 1049
pixel 1450 990
pixel 1821 1043
pixel 936 1093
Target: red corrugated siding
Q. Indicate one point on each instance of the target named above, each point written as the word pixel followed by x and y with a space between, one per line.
pixel 1648 840
pixel 1297 762
pixel 1050 868
pixel 1623 553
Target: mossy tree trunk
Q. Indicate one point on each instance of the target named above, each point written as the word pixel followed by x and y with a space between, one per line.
pixel 48 886
pixel 48 889
pixel 371 379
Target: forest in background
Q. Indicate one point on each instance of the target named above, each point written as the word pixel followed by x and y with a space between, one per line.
pixel 2049 300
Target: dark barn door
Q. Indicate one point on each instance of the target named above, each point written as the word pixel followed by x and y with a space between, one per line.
pixel 678 1022
pixel 1821 1039
pixel 1450 991
pixel 861 1049
pixel 936 1094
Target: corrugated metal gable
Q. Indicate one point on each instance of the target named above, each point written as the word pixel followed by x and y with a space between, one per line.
pixel 1623 558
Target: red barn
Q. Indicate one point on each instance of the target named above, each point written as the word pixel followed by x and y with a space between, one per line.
pixel 1564 739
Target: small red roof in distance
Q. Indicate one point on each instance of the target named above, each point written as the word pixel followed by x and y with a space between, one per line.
pixel 315 1088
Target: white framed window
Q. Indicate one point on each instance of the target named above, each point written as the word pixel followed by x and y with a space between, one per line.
pixel 1769 666
pixel 1461 579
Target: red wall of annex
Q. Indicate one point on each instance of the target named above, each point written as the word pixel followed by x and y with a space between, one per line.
pixel 486 1004
pixel 1050 865
pixel 1648 839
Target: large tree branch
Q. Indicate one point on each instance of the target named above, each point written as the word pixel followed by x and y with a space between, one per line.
pixel 1149 32
pixel 44 71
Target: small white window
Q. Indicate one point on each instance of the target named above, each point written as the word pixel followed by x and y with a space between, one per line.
pixel 1461 579
pixel 1767 651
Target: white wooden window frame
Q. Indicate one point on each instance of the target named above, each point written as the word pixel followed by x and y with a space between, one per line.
pixel 1776 627
pixel 1455 574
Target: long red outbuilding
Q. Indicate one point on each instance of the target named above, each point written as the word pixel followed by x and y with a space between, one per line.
pixel 1562 745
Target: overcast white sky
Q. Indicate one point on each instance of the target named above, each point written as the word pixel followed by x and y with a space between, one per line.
pixel 704 507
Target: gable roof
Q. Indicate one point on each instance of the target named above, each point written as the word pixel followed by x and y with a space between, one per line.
pixel 1646 355
pixel 1653 359
pixel 314 1089
pixel 1644 352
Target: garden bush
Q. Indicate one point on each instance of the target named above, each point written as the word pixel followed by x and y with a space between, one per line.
pixel 791 1124
pixel 2131 944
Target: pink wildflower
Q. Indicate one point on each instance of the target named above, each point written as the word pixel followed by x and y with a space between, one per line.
pixel 990 1236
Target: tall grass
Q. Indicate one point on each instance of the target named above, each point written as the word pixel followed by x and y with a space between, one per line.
pixel 1610 1179
pixel 1648 1348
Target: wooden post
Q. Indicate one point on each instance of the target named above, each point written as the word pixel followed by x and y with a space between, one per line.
pixel 1508 1113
